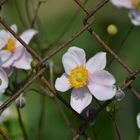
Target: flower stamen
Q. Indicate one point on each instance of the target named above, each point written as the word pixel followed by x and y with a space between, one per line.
pixel 11 44
pixel 78 77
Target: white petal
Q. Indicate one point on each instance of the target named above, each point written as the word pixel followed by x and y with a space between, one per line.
pixel 80 99
pixel 72 58
pixel 18 52
pixel 122 3
pixel 6 58
pixel 14 28
pixel 135 17
pixel 102 92
pixel 3 38
pixel 138 120
pixel 62 83
pixel 24 61
pixel 97 62
pixel 4 81
pixel 27 35
pixel 102 77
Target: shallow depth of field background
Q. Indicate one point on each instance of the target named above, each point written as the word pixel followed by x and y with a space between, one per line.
pixel 53 17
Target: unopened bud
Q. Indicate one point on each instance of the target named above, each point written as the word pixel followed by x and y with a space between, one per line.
pixel 20 102
pixel 119 94
pixel 90 114
pixel 34 63
pixel 112 29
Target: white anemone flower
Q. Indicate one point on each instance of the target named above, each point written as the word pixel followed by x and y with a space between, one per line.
pixel 138 120
pixel 133 5
pixel 12 52
pixel 3 81
pixel 86 79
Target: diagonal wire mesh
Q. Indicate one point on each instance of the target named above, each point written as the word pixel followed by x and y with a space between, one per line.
pixel 88 21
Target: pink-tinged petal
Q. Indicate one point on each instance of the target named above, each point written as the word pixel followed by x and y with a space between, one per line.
pixel 102 77
pixel 18 52
pixel 97 62
pixel 62 83
pixel 102 92
pixel 3 38
pixel 138 120
pixel 8 71
pixel 134 15
pixel 24 61
pixel 80 99
pixel 122 3
pixel 27 35
pixel 6 58
pixel 14 28
pixel 72 58
pixel 4 81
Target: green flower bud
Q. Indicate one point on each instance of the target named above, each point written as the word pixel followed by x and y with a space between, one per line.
pixel 112 29
pixel 34 63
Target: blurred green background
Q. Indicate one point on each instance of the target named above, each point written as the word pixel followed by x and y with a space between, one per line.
pixel 53 17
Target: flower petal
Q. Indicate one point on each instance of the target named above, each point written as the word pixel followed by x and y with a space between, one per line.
pixel 3 38
pixel 122 3
pixel 97 62
pixel 62 84
pixel 80 99
pixel 4 81
pixel 18 52
pixel 27 35
pixel 135 17
pixel 72 58
pixel 24 60
pixel 102 92
pixel 14 28
pixel 102 77
pixel 138 120
pixel 6 58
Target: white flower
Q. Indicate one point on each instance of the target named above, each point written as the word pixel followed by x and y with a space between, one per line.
pixel 86 79
pixel 133 5
pixel 138 120
pixel 3 81
pixel 12 52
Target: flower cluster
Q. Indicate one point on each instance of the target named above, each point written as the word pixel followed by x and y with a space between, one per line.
pixel 133 5
pixel 13 54
pixel 86 78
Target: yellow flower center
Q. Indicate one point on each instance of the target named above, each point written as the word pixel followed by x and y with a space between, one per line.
pixel 11 44
pixel 78 77
pixel 136 3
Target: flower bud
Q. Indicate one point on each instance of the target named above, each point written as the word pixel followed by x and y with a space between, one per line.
pixel 34 63
pixel 119 94
pixel 20 102
pixel 112 29
pixel 90 114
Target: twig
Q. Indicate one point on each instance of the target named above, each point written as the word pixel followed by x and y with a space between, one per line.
pixel 20 91
pixel 66 29
pixel 4 135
